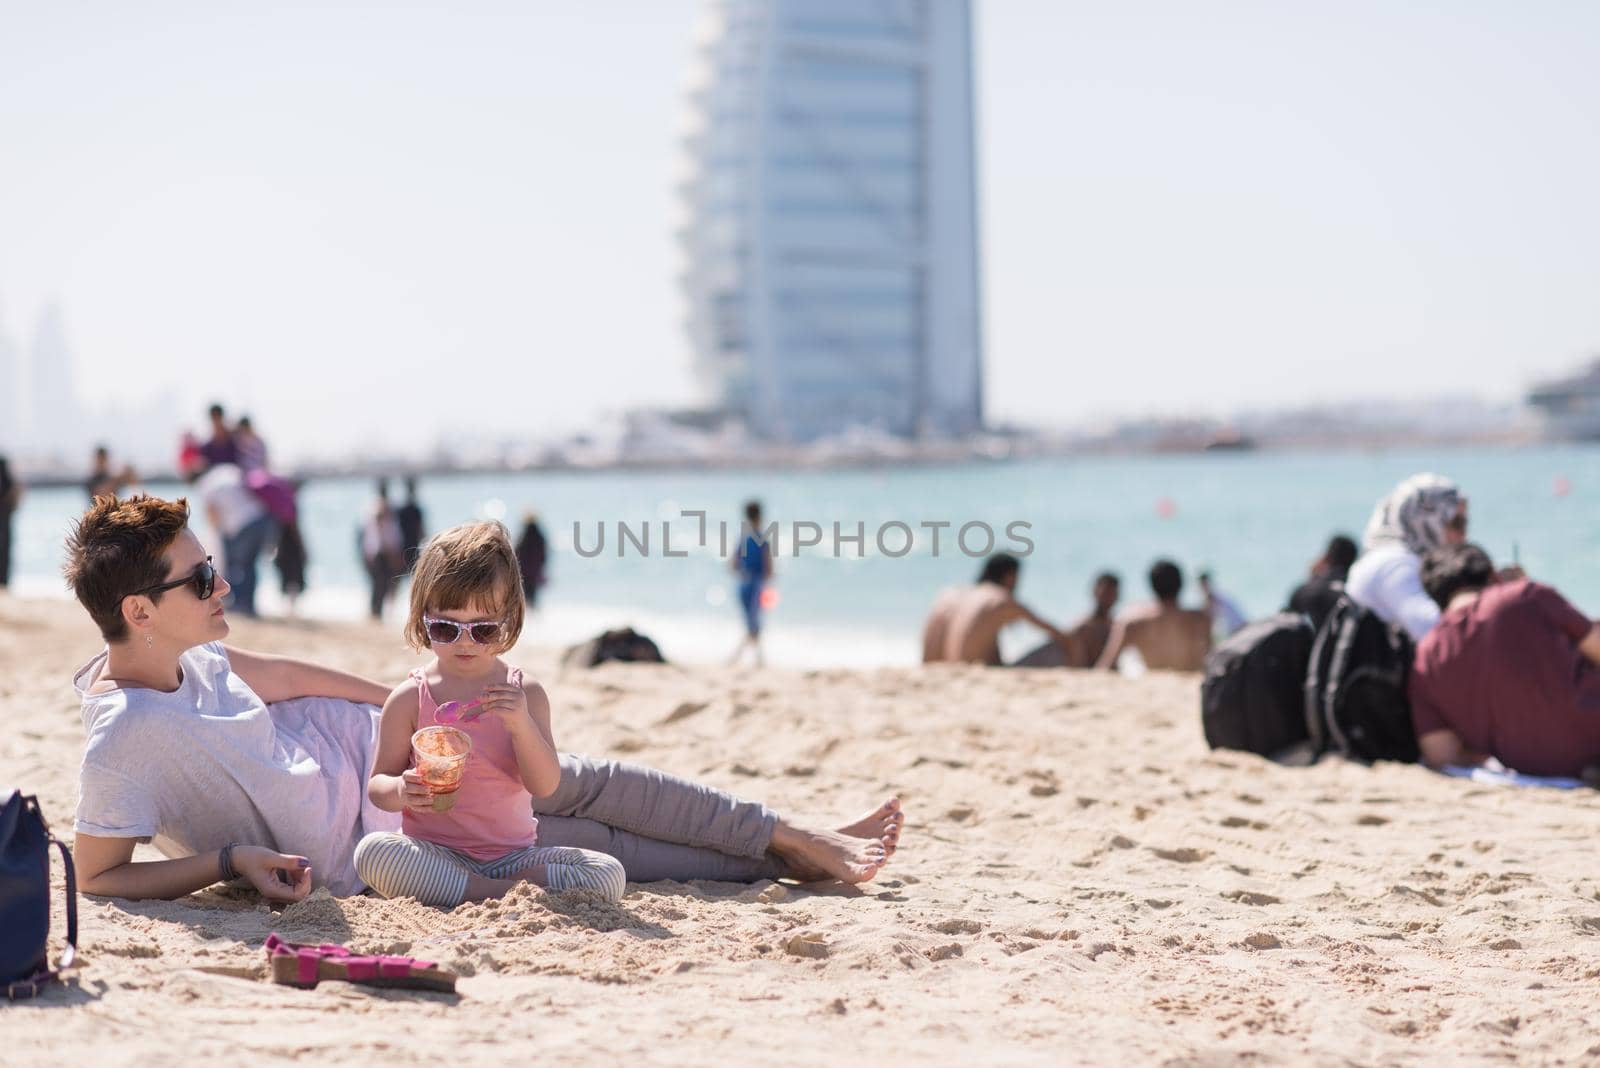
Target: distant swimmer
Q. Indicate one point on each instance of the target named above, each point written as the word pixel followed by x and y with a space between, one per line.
pixel 965 622
pixel 1167 636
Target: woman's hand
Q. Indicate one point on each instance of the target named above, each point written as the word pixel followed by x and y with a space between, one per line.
pixel 414 792
pixel 278 876
pixel 508 704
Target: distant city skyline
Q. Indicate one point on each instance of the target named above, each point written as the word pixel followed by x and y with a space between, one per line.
pixel 44 418
pixel 464 224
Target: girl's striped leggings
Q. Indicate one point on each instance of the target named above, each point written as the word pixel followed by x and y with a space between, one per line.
pixel 396 865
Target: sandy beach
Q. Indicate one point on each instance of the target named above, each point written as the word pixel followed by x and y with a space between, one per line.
pixel 1080 882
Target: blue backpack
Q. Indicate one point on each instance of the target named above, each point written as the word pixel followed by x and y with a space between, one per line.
pixel 25 843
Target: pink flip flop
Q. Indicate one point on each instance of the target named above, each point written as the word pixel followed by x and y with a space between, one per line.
pixel 294 964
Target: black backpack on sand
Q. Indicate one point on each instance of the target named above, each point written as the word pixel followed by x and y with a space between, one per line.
pixel 1253 695
pixel 1355 692
pixel 626 645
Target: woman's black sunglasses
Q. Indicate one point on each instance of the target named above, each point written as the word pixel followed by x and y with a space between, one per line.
pixel 203 579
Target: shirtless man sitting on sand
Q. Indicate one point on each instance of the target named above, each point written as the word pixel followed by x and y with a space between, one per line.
pixel 964 623
pixel 1168 638
pixel 1088 637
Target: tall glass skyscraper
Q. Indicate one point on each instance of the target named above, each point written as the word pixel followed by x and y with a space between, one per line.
pixel 831 241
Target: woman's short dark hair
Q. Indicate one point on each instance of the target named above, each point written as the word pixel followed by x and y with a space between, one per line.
pixel 1452 569
pixel 117 547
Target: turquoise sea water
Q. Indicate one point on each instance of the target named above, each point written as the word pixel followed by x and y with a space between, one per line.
pixel 1255 519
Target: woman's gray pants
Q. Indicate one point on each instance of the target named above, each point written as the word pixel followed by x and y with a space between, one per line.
pixel 658 825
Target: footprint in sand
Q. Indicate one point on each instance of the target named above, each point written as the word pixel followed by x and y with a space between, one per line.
pixel 1247 897
pixel 684 711
pixel 1402 890
pixel 1185 855
pixel 954 765
pixel 1045 783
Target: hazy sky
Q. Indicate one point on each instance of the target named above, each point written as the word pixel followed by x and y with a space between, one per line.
pixel 379 222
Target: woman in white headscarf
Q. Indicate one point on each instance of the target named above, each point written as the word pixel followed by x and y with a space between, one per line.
pixel 1419 515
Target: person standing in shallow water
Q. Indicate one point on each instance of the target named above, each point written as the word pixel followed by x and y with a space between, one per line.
pixel 10 498
pixel 752 562
pixel 532 550
pixel 381 551
pixel 412 530
pixel 102 480
pixel 249 447
pixel 220 447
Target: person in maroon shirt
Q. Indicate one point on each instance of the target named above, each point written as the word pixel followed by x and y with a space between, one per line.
pixel 1510 671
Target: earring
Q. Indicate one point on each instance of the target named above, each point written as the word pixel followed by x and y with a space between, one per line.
pixel 149 641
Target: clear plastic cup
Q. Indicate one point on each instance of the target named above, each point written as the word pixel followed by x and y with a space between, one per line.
pixel 440 755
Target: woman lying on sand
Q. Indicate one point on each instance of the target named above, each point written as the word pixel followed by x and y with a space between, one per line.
pixel 219 756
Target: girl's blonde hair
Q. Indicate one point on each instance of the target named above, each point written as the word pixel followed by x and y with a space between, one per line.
pixel 471 562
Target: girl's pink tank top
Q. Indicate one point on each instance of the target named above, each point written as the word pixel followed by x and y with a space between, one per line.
pixel 493 814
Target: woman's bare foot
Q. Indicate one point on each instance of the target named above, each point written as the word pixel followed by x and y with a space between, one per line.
pixel 882 823
pixel 816 855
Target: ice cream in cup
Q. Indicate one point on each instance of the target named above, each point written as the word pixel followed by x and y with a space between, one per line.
pixel 440 755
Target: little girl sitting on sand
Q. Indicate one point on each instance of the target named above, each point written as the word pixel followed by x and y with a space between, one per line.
pixel 466 604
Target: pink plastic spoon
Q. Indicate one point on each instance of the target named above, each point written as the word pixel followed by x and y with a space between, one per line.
pixel 451 711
